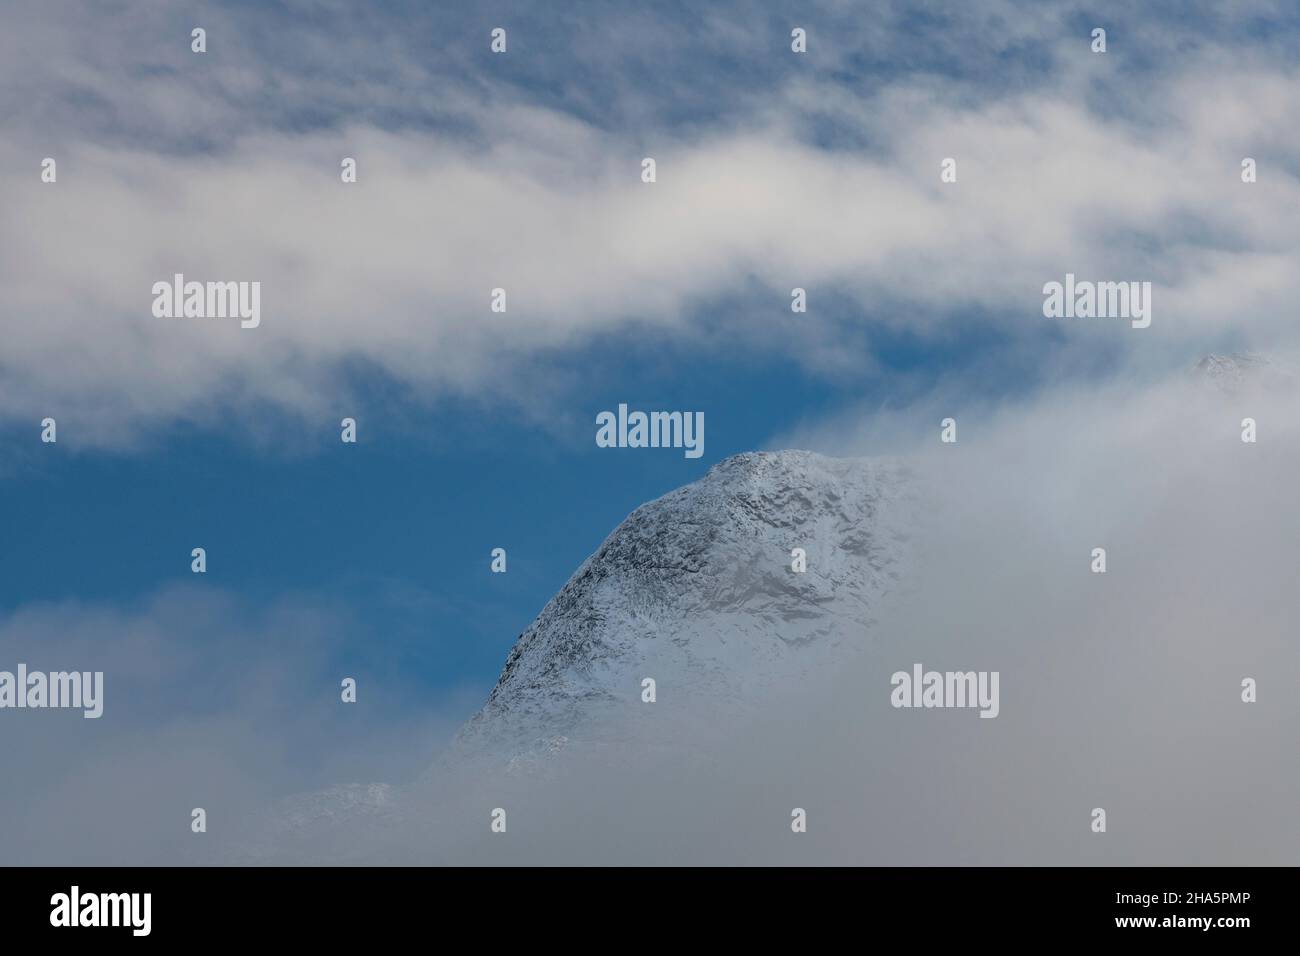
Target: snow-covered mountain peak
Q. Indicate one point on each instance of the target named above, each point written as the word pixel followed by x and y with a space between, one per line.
pixel 697 590
pixel 1237 371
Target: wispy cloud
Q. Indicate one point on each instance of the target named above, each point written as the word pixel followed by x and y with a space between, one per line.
pixel 498 187
pixel 209 701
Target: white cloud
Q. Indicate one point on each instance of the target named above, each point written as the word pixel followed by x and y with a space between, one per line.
pixel 396 271
pixel 209 701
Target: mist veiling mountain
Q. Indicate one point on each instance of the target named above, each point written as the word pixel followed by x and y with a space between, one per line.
pixel 696 591
pixel 1239 371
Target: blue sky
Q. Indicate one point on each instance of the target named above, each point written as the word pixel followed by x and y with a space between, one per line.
pixel 396 531
pixel 398 528
pixel 477 431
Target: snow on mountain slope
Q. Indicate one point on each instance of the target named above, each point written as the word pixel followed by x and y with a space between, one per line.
pixel 696 591
pixel 1231 374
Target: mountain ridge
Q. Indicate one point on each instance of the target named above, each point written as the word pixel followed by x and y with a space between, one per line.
pixel 696 589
